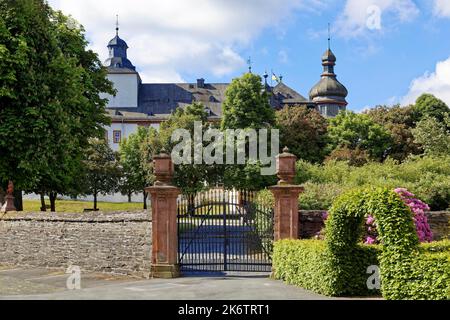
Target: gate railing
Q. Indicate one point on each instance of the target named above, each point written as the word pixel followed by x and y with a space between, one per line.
pixel 222 230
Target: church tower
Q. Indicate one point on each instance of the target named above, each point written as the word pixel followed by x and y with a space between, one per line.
pixel 329 94
pixel 123 75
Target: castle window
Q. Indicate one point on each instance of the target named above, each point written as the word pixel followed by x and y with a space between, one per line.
pixel 117 136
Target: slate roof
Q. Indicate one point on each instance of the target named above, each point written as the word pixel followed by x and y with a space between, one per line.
pixel 162 99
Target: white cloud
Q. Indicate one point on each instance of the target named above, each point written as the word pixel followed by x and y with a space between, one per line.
pixel 437 83
pixel 362 16
pixel 442 8
pixel 172 37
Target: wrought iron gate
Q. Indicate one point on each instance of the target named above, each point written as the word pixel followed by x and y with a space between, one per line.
pixel 224 230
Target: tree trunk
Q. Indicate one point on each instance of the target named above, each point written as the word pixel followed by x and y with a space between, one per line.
pixel 129 197
pixel 145 200
pixel 52 196
pixel 2 196
pixel 43 206
pixel 18 202
pixel 95 201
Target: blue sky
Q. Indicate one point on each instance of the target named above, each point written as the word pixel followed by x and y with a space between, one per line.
pixel 388 51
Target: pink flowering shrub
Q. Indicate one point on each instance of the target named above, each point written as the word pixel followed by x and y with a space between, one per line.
pixel 418 209
pixel 371 230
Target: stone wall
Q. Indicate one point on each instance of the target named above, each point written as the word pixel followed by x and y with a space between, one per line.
pixel 440 224
pixel 312 222
pixel 107 242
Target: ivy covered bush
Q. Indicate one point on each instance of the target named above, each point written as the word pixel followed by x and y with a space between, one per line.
pixel 338 265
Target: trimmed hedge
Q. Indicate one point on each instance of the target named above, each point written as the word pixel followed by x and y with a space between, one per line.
pixel 338 266
pixel 310 264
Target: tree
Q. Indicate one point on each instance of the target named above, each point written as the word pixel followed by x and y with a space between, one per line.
pixel 427 105
pixel 191 178
pixel 399 122
pixel 134 175
pixel 247 105
pixel 304 132
pixel 355 157
pixel 49 97
pixel 433 135
pixel 358 131
pixel 102 170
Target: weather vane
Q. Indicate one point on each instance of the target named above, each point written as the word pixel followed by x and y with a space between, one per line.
pixel 249 62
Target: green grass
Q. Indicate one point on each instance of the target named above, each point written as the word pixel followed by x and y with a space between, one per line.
pixel 79 206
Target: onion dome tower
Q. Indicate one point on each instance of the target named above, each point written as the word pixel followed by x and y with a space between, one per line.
pixel 329 94
pixel 118 53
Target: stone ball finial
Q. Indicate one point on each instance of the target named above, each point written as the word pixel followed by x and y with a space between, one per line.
pixel 286 150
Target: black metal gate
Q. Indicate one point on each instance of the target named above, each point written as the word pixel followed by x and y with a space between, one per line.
pixel 224 230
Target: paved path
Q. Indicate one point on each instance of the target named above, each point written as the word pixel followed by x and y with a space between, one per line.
pixel 44 284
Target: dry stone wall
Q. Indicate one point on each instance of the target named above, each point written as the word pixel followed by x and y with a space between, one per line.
pixel 117 242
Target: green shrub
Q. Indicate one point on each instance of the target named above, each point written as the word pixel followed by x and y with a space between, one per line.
pixel 319 196
pixel 427 177
pixel 338 265
pixel 310 265
pixel 265 198
pixel 436 247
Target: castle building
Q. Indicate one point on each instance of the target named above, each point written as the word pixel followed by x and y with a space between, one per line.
pixel 148 104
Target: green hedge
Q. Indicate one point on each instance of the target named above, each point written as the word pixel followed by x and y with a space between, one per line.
pixel 338 266
pixel 424 275
pixel 309 264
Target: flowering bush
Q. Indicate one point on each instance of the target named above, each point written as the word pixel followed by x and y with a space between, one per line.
pixel 371 231
pixel 418 209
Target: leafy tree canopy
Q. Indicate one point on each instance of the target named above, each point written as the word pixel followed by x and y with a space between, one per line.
pixel 354 131
pixel 427 105
pixel 304 132
pixel 102 169
pixel 135 177
pixel 433 135
pixel 247 105
pixel 49 101
pixel 398 121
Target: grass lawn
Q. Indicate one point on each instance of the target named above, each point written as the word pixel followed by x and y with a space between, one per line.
pixel 79 206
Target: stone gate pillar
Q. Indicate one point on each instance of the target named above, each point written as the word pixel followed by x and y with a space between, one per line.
pixel 286 194
pixel 164 219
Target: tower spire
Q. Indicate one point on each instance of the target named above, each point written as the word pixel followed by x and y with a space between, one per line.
pixel 329 36
pixel 117 24
pixel 249 63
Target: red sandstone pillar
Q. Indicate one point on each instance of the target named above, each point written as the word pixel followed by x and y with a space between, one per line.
pixel 164 220
pixel 286 198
